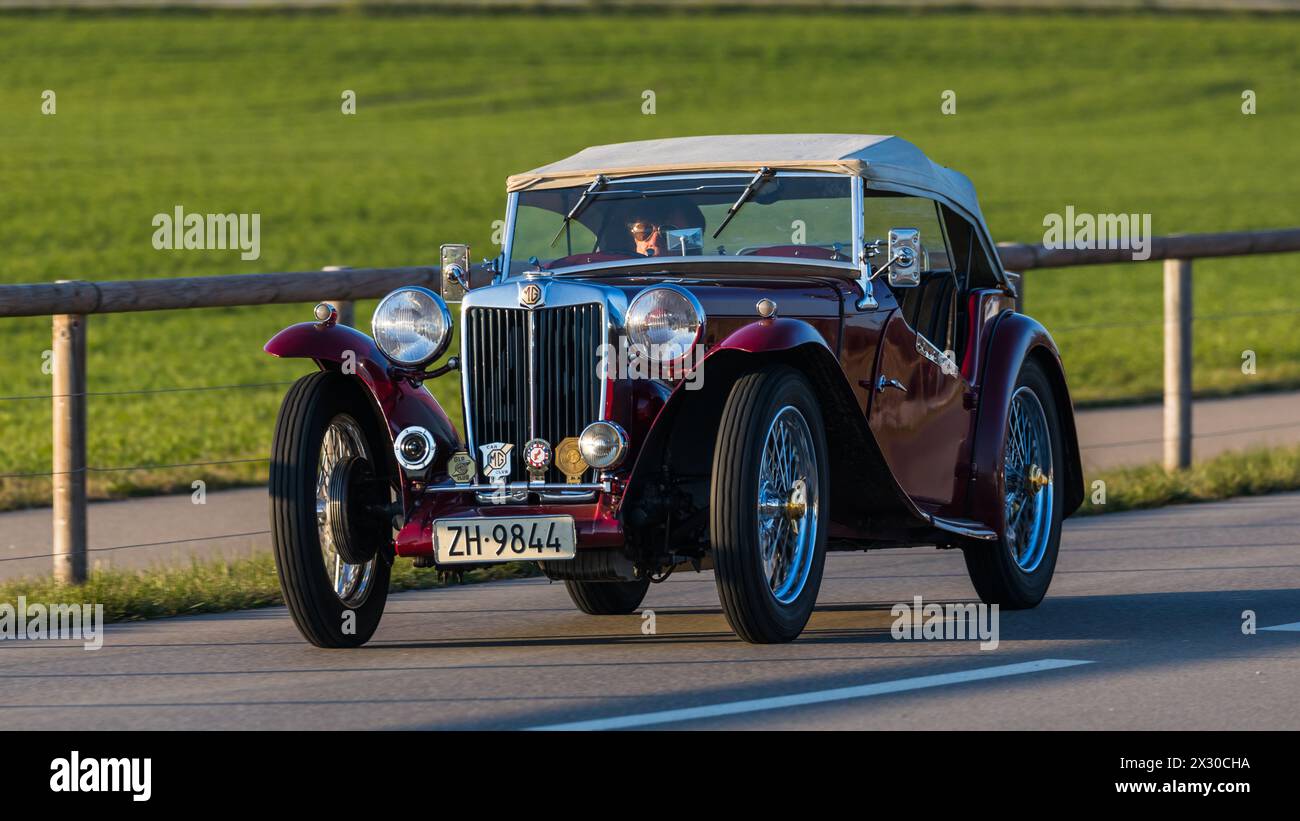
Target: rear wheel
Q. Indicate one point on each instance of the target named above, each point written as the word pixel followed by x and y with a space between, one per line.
pixel 768 509
pixel 328 476
pixel 1016 572
pixel 607 598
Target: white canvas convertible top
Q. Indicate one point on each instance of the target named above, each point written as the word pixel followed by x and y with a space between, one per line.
pixel 886 162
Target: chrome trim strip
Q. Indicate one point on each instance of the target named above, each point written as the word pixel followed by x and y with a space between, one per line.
pixel 931 351
pixel 669 261
pixel 530 368
pixel 973 530
pixel 863 265
pixel 586 488
pixel 508 240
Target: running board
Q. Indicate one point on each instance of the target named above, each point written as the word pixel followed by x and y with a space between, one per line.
pixel 965 527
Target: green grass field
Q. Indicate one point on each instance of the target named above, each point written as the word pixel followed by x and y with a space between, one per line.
pixel 241 113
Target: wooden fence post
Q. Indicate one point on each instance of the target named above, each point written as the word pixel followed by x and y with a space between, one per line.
pixel 1178 363
pixel 347 308
pixel 69 365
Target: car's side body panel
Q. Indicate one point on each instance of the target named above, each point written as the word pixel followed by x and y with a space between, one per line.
pixel 920 419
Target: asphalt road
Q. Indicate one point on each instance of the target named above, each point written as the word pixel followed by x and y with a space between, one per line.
pixel 1151 602
pixel 172 530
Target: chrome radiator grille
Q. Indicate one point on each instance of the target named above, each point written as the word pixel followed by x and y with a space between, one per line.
pixel 516 391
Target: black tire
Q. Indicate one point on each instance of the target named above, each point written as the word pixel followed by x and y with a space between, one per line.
pixel 308 410
pixel 997 578
pixel 748 601
pixel 607 598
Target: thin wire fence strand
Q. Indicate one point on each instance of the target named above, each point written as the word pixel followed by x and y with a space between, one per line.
pixel 1151 323
pixel 147 391
pixel 145 544
pixel 1161 439
pixel 126 468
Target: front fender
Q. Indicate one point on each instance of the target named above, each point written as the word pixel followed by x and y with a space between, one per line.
pixel 683 431
pixel 766 335
pixel 1014 339
pixel 398 403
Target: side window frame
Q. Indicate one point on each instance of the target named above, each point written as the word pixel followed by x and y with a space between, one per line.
pixel 912 305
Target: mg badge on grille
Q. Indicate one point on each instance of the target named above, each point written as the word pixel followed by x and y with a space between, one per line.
pixel 496 462
pixel 530 295
pixel 569 460
pixel 537 456
pixel 461 468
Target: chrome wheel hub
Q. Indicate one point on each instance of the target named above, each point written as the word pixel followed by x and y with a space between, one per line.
pixel 787 504
pixel 1028 480
pixel 351 582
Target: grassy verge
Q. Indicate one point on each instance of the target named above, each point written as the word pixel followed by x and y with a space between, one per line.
pixel 1248 473
pixel 210 587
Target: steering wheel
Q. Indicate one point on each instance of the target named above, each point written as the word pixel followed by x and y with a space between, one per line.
pixel 589 258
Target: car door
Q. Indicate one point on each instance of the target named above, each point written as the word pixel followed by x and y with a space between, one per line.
pixel 919 413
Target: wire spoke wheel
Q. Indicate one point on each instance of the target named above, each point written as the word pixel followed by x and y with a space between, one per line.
pixel 343 439
pixel 1036 474
pixel 328 447
pixel 787 504
pixel 769 505
pixel 1029 481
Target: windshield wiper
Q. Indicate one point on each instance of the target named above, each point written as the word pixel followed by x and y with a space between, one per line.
pixel 760 179
pixel 581 204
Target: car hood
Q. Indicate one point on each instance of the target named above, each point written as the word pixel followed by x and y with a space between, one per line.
pixel 806 292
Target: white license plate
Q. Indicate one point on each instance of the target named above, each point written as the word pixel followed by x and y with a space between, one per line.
pixel 504 539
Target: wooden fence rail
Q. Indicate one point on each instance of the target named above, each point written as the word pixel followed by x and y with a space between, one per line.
pixel 69 303
pixel 119 296
pixel 1177 252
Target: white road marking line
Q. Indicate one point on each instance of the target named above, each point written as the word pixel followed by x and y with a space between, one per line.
pixel 1293 627
pixel 816 697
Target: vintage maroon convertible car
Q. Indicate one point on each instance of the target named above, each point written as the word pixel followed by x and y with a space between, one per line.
pixel 727 352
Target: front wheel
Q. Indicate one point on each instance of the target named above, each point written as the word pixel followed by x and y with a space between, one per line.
pixel 1016 572
pixel 768 511
pixel 328 478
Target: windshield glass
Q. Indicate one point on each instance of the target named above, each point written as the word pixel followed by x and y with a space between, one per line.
pixel 792 215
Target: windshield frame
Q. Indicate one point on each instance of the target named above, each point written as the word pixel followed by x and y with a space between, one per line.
pixel 740 178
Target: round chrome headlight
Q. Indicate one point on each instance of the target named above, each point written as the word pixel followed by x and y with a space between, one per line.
pixel 664 322
pixel 603 445
pixel 412 326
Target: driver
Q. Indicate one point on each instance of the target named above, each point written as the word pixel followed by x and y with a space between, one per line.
pixel 643 227
pixel 648 236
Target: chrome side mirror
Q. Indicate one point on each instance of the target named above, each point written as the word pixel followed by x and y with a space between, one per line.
pixel 904 258
pixel 455 272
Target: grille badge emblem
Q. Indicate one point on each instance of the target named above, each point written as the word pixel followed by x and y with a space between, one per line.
pixel 537 456
pixel 569 460
pixel 496 461
pixel 530 295
pixel 461 468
